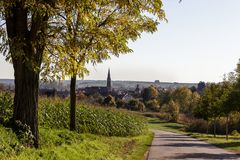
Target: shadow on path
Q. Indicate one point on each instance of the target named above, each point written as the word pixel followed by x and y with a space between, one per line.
pixel 206 156
pixel 206 146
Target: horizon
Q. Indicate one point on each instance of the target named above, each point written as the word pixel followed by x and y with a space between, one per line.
pixel 121 81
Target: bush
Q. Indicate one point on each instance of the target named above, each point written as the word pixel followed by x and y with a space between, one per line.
pixel 153 105
pixel 94 99
pixel 141 106
pixel 101 121
pixel 9 143
pixel 120 103
pixel 136 105
pixel 197 125
pixel 109 101
pixel 235 133
pixel 133 104
pixel 6 107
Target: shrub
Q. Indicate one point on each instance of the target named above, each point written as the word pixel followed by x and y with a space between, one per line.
pixel 109 101
pixel 94 99
pixel 197 125
pixel 141 106
pixel 101 121
pixel 136 105
pixel 235 133
pixel 6 107
pixel 153 105
pixel 120 103
pixel 133 104
pixel 24 134
pixel 9 144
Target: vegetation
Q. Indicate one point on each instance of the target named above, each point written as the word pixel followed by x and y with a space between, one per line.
pixel 129 136
pixel 6 105
pixel 63 144
pixel 95 120
pixel 109 101
pixel 156 123
pixel 149 93
pixel 31 29
pixel 136 105
pixel 233 144
pixel 152 105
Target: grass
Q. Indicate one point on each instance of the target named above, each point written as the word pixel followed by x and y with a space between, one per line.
pixel 156 123
pixel 233 144
pixel 101 134
pixel 62 144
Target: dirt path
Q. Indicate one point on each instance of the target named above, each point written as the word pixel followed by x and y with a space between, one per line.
pixel 167 145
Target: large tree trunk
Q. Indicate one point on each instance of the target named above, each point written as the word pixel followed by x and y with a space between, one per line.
pixel 73 103
pixel 26 46
pixel 26 98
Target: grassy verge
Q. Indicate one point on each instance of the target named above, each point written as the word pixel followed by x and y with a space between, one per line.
pixel 65 145
pixel 233 144
pixel 156 123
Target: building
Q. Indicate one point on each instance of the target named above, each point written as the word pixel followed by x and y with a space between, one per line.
pixel 104 91
pixel 109 81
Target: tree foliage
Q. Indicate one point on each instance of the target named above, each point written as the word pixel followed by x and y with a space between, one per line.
pixel 183 96
pixel 92 34
pixel 149 93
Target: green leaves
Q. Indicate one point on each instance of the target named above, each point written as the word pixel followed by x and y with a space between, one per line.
pixel 91 31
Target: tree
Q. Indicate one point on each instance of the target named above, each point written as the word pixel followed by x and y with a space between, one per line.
pixel 193 89
pixel 200 87
pixel 26 30
pixel 212 102
pixel 164 96
pixel 107 31
pixel 231 95
pixel 173 109
pixel 183 96
pixel 194 103
pixel 149 93
pixel 153 105
pixel 136 105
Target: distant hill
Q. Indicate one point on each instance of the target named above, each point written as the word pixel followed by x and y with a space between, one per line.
pixel 130 85
pixel 7 81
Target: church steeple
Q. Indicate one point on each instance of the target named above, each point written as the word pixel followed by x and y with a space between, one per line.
pixel 109 83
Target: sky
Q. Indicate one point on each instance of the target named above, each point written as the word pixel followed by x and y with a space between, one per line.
pixel 200 42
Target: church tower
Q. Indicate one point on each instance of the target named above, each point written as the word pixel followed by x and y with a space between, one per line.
pixel 109 83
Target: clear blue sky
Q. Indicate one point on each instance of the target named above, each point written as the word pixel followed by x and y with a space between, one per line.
pixel 200 42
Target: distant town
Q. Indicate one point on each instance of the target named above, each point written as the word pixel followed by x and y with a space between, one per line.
pixel 103 87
